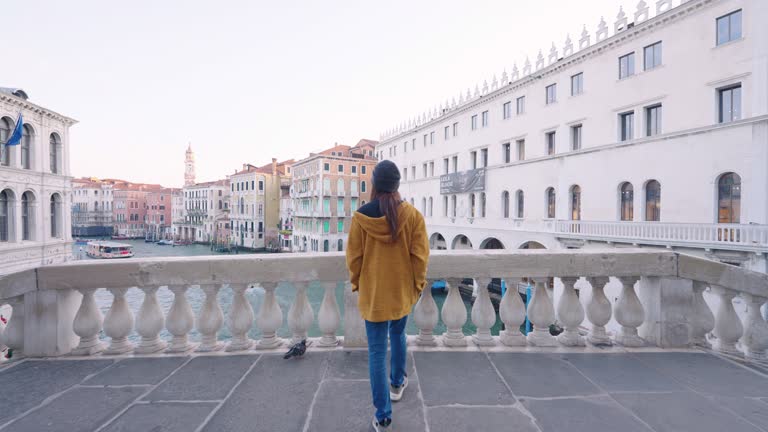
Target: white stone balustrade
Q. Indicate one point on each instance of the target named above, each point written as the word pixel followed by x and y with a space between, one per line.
pixel 637 272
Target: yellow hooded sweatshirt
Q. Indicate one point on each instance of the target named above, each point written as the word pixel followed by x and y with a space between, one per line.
pixel 389 276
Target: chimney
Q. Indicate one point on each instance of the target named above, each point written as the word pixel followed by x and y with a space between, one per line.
pixel 274 166
pixel 245 166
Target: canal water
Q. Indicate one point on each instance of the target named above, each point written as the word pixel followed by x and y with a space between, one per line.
pixel 285 294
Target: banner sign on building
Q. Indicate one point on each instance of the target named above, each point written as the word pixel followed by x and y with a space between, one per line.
pixel 461 182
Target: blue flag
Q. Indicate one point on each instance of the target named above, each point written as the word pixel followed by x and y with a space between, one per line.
pixel 15 138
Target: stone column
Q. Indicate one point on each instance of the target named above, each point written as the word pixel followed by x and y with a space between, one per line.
pixel 87 324
pixel 702 320
pixel 570 312
pixel 329 317
pixel 354 326
pixel 483 315
pixel 48 319
pixel 598 312
pixel 454 316
pixel 728 328
pixel 425 316
pixel 669 311
pixel 755 337
pixel 541 313
pixel 629 313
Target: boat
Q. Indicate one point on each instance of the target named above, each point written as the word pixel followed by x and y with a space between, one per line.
pixel 165 243
pixel 109 250
pixel 80 241
pixel 119 237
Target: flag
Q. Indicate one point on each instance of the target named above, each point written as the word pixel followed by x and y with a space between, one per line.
pixel 15 138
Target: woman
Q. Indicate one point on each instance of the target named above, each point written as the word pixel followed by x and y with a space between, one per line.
pixel 387 255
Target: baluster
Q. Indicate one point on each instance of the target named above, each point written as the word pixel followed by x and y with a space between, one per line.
pixel 570 313
pixel 87 324
pixel 240 319
pixel 454 316
pixel 483 315
pixel 270 318
pixel 149 322
pixel 329 317
pixel 629 313
pixel 13 337
pixel 300 315
pixel 425 315
pixel 728 327
pixel 702 321
pixel 180 321
pixel 541 313
pixel 209 320
pixel 118 323
pixel 598 312
pixel 755 338
pixel 354 326
pixel 512 314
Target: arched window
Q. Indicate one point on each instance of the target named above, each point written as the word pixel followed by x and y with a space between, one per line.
pixel 471 205
pixel 340 187
pixel 4 216
pixel 326 245
pixel 653 201
pixel 729 198
pixel 575 202
pixel 326 186
pixel 482 204
pixel 626 199
pixel 520 198
pixel 54 148
pixel 56 221
pixel 453 205
pixel 340 245
pixel 424 206
pixel 6 126
pixel 505 204
pixel 27 134
pixel 430 207
pixel 551 203
pixel 362 186
pixel 27 216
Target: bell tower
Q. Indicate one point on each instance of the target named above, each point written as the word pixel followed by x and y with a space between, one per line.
pixel 189 167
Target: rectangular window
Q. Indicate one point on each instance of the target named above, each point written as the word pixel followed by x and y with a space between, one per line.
pixel 326 167
pixel 431 169
pixel 729 104
pixel 455 164
pixel 261 185
pixel 354 169
pixel 652 56
pixel 445 206
pixel 729 27
pixel 521 105
pixel 340 206
pixel 405 174
pixel 653 120
pixel 485 118
pixel 551 144
pixel 455 129
pixel 473 159
pixel 520 149
pixel 425 170
pixel 413 144
pixel 447 131
pixel 576 137
pixel 362 168
pixel 626 126
pixel 473 122
pixel 445 166
pixel 506 152
pixel 341 168
pixel 405 147
pixel 431 138
pixel 507 110
pixel 577 84
pixel 551 93
pixel 326 226
pixel 340 226
pixel 413 172
pixel 626 65
pixel 483 158
pixel 425 140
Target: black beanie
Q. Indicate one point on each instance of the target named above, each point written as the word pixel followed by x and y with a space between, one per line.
pixel 386 177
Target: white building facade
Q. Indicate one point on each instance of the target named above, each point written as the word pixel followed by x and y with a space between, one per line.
pixel 653 133
pixel 247 208
pixel 205 204
pixel 91 208
pixel 35 185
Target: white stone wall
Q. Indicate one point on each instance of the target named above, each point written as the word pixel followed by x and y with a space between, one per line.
pixel 253 211
pixel 42 248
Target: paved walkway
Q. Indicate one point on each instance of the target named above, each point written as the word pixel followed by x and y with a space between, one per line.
pixel 328 391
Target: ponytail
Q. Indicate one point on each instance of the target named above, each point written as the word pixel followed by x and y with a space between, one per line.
pixel 388 204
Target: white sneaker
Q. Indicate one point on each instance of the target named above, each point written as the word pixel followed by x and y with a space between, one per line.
pixel 396 393
pixel 378 427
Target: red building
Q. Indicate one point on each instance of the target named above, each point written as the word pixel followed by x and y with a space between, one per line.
pixel 129 208
pixel 159 216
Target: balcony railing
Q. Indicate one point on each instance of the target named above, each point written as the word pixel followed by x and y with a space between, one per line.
pixel 672 312
pixel 721 236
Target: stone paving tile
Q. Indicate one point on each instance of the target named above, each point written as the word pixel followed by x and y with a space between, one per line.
pixel 708 374
pixel 354 365
pixel 465 378
pixel 162 417
pixel 347 406
pixel 621 372
pixel 593 414
pixel 275 396
pixel 137 371
pixel 462 419
pixel 26 385
pixel 754 411
pixel 204 378
pixel 78 410
pixel 682 412
pixel 526 375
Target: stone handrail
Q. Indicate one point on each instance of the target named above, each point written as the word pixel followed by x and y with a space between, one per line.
pixel 54 311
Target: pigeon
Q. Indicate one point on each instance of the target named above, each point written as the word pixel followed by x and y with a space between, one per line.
pixel 298 349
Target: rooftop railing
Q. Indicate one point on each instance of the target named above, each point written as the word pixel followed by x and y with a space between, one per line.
pixel 660 303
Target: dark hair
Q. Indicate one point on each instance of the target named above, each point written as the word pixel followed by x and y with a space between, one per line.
pixel 388 204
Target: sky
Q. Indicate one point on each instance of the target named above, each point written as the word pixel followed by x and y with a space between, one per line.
pixel 246 81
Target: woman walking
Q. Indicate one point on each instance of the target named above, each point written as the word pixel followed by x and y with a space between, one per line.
pixel 387 255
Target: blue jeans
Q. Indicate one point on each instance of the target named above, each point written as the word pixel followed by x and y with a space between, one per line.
pixel 377 362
